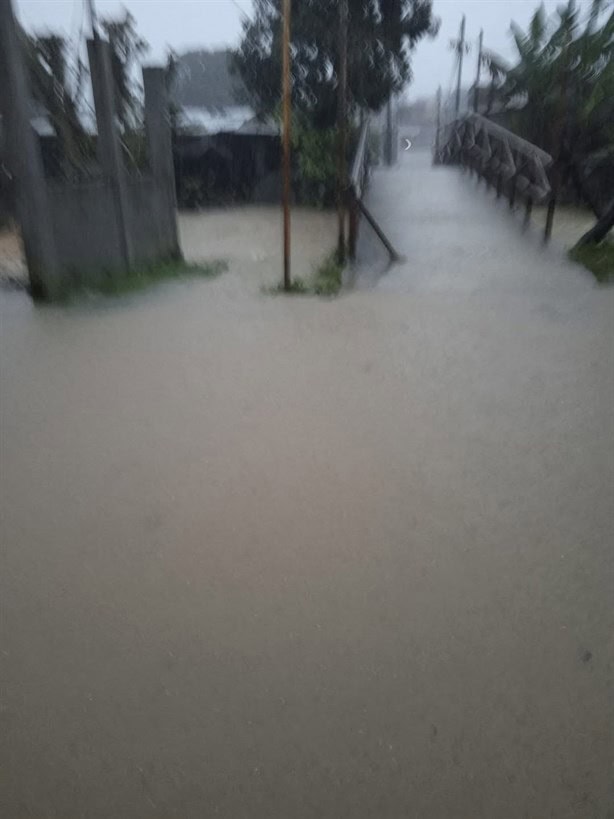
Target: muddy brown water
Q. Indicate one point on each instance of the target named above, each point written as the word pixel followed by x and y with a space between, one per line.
pixel 286 557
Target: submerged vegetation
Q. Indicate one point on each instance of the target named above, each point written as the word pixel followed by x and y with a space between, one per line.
pixel 141 278
pixel 597 258
pixel 327 280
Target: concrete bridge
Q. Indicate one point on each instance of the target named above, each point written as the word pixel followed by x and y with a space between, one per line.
pixel 456 237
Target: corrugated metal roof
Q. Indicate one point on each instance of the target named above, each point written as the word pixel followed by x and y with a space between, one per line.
pixel 214 121
pixel 256 127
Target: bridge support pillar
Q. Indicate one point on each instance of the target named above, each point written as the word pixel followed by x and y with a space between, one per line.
pixel 353 228
pixel 549 218
pixel 528 211
pixel 512 192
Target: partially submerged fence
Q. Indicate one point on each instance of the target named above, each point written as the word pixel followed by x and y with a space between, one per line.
pixel 515 167
pixel 85 232
pixel 359 175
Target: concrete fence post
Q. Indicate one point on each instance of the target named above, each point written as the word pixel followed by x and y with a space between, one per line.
pixel 109 147
pixel 160 143
pixel 25 162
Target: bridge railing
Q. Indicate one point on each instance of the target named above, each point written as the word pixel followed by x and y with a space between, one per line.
pixel 515 167
pixel 359 174
pixel 359 170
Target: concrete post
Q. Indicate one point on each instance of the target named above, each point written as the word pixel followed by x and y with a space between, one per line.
pixel 159 142
pixel 25 163
pixel 109 145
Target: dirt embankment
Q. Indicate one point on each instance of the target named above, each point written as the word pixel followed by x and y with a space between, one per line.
pixel 12 264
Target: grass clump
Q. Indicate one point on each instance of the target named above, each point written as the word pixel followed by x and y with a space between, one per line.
pixel 141 277
pixel 326 280
pixel 115 283
pixel 597 258
pixel 298 287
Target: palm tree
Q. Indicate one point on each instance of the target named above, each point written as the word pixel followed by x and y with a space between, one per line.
pixel 561 91
pixel 497 71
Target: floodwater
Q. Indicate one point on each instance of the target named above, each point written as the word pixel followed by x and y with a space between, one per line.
pixel 291 557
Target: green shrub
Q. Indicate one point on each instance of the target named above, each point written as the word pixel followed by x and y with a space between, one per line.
pixel 326 280
pixel 315 155
pixel 597 258
pixel 327 277
pixel 315 152
pixel 114 283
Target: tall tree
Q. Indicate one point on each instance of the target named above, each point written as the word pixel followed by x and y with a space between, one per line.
pixel 381 36
pixel 496 69
pixel 564 80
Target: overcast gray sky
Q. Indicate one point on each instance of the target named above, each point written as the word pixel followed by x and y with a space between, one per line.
pixel 185 24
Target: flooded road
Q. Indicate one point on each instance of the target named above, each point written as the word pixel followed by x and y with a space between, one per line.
pixel 289 557
pixel 456 236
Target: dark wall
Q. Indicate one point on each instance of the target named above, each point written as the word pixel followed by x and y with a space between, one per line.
pixel 225 168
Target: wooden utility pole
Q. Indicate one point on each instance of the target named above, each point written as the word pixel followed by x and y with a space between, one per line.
pixel 342 127
pixel 476 95
pixel 286 104
pixel 461 54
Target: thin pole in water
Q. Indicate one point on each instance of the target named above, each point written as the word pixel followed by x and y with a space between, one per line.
pixel 438 125
pixel 477 78
pixel 461 54
pixel 286 103
pixel 342 128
